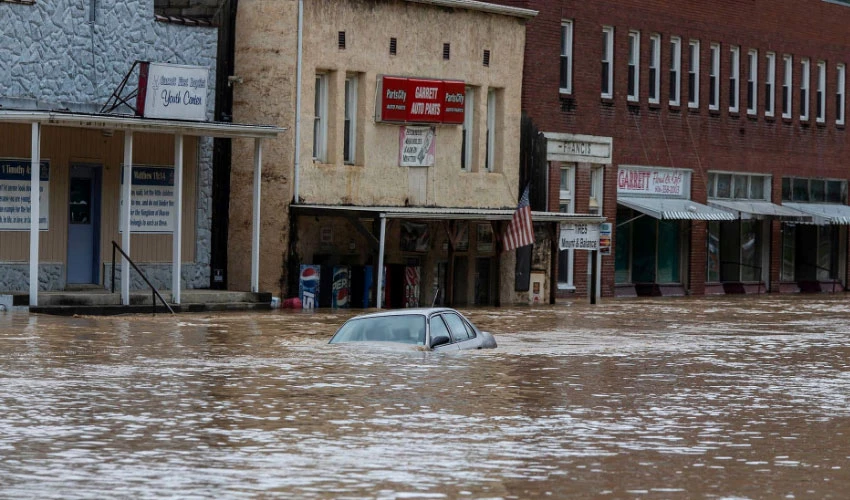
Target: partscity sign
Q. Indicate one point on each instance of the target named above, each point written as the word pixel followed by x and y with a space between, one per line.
pixel 420 100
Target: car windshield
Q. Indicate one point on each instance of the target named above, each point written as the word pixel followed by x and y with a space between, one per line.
pixel 406 329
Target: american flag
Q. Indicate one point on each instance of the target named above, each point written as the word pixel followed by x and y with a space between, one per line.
pixel 520 231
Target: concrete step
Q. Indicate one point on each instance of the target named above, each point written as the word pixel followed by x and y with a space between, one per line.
pixel 110 310
pixel 103 298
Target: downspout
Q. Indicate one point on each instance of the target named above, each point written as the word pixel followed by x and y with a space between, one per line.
pixel 295 197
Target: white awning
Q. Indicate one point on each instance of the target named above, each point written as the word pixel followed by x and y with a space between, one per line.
pixel 752 209
pixel 674 209
pixel 824 213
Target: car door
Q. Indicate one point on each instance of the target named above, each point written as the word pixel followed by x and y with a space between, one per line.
pixel 464 337
pixel 438 327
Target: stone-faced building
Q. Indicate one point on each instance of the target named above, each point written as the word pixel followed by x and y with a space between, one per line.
pixel 405 150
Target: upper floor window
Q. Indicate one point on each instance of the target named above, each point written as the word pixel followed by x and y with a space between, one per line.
pixel 770 84
pixel 805 71
pixel 675 70
pixel 734 78
pixel 320 118
pixel 726 185
pixel 349 148
pixel 752 81
pixel 654 64
pixel 787 83
pixel 467 130
pixel 490 158
pixel 839 93
pixel 820 97
pixel 693 74
pixel 814 190
pixel 634 65
pixel 607 88
pixel 566 76
pixel 714 78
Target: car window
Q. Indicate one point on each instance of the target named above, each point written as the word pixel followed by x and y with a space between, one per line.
pixel 407 329
pixel 438 328
pixel 457 327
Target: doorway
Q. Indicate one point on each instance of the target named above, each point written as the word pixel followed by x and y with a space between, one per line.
pixel 84 224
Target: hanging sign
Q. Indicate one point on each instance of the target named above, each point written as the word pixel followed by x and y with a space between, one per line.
pixel 172 91
pixel 153 202
pixel 15 189
pixel 653 181
pixel 420 100
pixel 417 146
pixel 579 237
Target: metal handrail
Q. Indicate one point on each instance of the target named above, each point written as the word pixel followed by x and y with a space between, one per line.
pixel 758 268
pixel 155 293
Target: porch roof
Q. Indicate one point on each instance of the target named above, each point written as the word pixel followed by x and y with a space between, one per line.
pixel 438 213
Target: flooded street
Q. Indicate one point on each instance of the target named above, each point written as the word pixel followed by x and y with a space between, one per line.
pixel 741 397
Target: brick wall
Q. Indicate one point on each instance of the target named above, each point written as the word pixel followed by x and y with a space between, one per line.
pixel 679 137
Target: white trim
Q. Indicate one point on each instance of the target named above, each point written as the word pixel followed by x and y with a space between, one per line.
pixel 491 130
pixel 566 51
pixel 125 216
pixel 634 64
pixel 255 219
pixel 320 118
pixel 820 95
pixel 753 80
pixel 468 128
pixel 350 112
pixel 481 6
pixel 608 59
pixel 787 86
pixel 805 84
pixel 177 235
pixel 841 82
pixel 734 78
pixel 655 64
pixel 714 72
pixel 770 83
pixel 676 67
pixel 442 213
pixel 693 69
pixel 35 188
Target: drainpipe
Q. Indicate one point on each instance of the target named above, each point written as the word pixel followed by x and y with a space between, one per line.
pixel 295 197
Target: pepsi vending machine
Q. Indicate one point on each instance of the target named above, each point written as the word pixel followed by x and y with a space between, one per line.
pixel 308 286
pixel 341 287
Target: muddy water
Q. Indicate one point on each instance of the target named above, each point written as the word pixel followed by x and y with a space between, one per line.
pixel 674 398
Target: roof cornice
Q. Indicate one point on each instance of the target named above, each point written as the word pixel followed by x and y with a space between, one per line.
pixel 481 7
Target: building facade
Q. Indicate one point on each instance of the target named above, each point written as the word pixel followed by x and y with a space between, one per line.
pixel 68 58
pixel 405 150
pixel 728 169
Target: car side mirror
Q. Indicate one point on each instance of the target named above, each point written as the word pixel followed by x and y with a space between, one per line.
pixel 439 340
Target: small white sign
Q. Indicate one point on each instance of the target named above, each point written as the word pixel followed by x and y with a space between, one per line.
pixel 653 181
pixel 417 146
pixel 579 236
pixel 176 92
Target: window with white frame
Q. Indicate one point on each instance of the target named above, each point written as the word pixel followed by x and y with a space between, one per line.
pixel 349 148
pixel 752 81
pixel 467 130
pixel 841 78
pixel 490 159
pixel 770 84
pixel 654 64
pixel 607 88
pixel 565 205
pixel 320 119
pixel 566 75
pixel 787 84
pixel 820 97
pixel 634 66
pixel 734 78
pixel 805 74
pixel 693 74
pixel 714 78
pixel 675 70
pixel 730 186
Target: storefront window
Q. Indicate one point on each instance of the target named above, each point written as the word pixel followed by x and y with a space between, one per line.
pixel 827 252
pixel 622 246
pixel 740 186
pixel 757 188
pixel 789 237
pixel 800 189
pixel 713 257
pixel 817 190
pixel 750 250
pixel 643 249
pixel 668 251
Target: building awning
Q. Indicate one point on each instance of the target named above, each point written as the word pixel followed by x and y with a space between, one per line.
pixel 437 213
pixel 753 209
pixel 674 209
pixel 823 213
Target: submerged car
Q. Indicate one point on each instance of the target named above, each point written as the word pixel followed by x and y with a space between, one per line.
pixel 437 328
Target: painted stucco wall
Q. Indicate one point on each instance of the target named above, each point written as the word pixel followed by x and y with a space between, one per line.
pixel 266 50
pixel 58 55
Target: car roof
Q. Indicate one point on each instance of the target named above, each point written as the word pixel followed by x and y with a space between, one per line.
pixel 420 311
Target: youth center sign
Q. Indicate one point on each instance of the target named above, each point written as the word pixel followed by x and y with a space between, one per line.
pixel 420 100
pixel 153 203
pixel 15 191
pixel 172 91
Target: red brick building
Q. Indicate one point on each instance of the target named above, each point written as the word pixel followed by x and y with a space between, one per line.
pixel 711 134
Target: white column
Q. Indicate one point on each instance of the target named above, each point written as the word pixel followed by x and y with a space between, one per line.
pixel 125 216
pixel 255 221
pixel 379 299
pixel 35 194
pixel 177 236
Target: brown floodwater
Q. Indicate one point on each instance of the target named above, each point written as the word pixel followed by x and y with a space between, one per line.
pixel 728 398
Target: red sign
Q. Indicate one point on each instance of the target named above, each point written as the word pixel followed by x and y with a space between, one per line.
pixel 420 100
